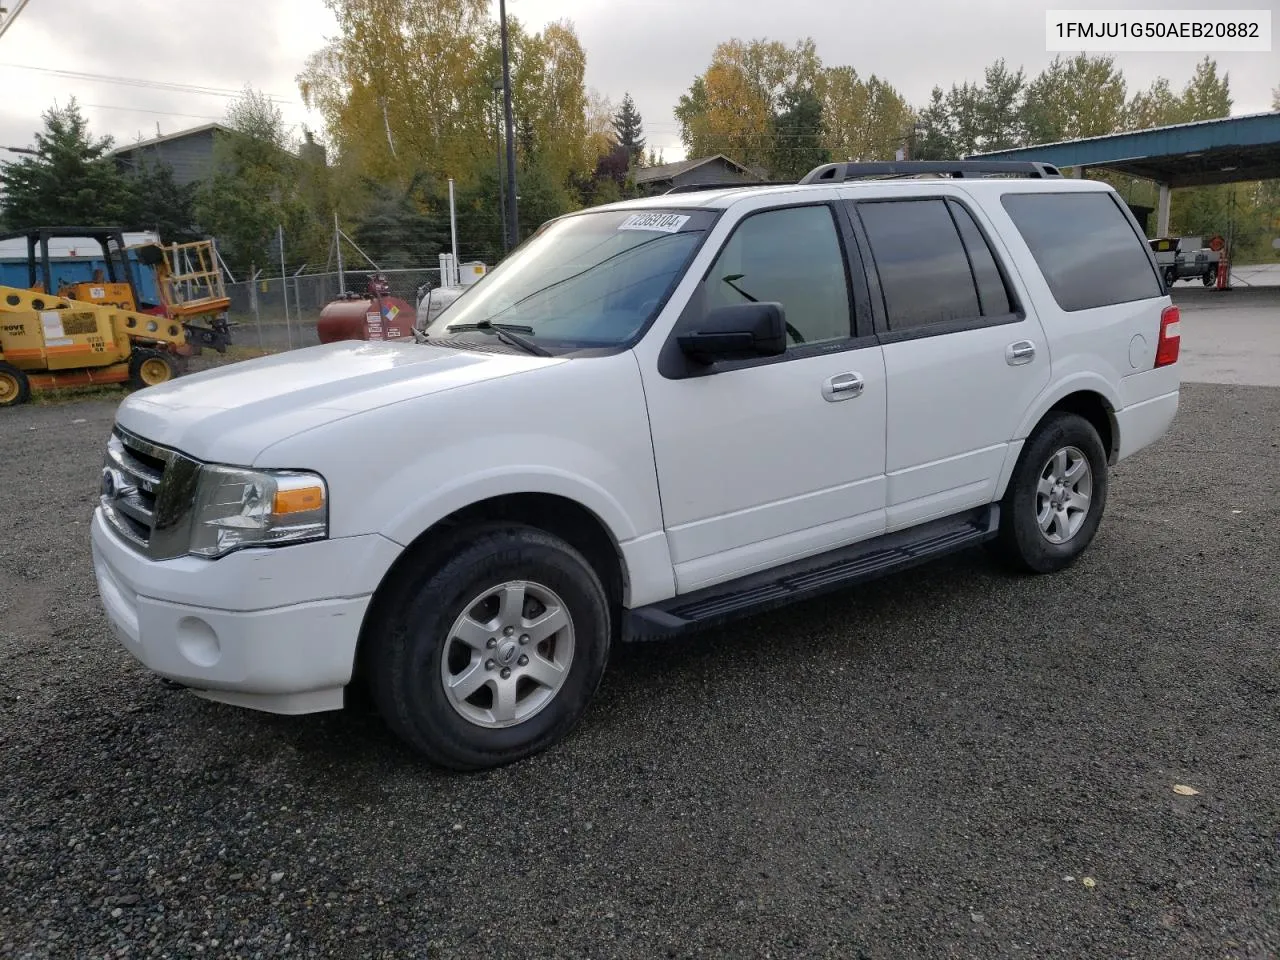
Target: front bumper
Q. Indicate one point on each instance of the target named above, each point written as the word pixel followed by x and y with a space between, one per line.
pixel 269 629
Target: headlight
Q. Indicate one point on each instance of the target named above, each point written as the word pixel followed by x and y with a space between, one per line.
pixel 244 508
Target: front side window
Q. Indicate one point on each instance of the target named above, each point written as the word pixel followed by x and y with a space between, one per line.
pixel 790 256
pixel 589 280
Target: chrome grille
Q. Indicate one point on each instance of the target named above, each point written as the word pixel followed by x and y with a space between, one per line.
pixel 147 493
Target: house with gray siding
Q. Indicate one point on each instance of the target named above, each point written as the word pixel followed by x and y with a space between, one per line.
pixel 188 153
pixel 717 169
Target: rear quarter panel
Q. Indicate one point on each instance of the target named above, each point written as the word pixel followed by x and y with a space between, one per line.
pixel 1099 349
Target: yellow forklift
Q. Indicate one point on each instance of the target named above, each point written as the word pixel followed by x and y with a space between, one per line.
pixel 75 329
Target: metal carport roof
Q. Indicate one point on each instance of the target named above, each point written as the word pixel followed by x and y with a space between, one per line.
pixel 1229 150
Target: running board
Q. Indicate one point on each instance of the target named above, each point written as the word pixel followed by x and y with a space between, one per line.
pixel 813 576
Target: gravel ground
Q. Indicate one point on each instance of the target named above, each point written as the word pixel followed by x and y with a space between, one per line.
pixel 950 763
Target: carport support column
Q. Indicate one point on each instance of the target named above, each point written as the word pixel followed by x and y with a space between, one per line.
pixel 1162 212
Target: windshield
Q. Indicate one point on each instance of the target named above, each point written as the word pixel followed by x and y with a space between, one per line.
pixel 590 280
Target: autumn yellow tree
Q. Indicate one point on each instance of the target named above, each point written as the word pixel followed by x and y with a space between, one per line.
pixel 403 87
pixel 552 100
pixel 731 107
pixel 407 89
pixel 862 119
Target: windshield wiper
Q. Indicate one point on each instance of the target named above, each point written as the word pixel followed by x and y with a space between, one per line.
pixel 508 333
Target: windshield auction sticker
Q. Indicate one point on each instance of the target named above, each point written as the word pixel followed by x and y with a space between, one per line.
pixel 660 222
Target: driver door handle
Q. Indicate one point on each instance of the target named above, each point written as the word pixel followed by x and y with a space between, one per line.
pixel 843 386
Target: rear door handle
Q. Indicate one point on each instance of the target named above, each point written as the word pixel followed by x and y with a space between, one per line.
pixel 1024 351
pixel 843 386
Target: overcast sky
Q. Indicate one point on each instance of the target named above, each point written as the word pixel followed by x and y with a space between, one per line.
pixel 653 48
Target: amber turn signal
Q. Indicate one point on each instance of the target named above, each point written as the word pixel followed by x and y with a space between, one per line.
pixel 299 500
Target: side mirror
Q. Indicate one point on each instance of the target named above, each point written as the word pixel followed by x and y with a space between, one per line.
pixel 739 332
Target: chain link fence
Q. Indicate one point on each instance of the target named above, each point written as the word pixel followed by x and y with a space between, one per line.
pixel 258 307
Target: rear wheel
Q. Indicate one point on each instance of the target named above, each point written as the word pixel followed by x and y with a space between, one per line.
pixel 1056 496
pixel 149 368
pixel 1209 278
pixel 1170 276
pixel 15 388
pixel 493 655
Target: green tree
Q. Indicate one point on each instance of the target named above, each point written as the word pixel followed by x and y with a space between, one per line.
pixel 935 140
pixel 964 105
pixel 399 227
pixel 997 108
pixel 628 128
pixel 257 186
pixel 1206 96
pixel 797 135
pixel 1080 97
pixel 1157 106
pixel 71 180
pixel 158 202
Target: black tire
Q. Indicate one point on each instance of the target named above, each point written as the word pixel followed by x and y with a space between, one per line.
pixel 15 388
pixel 1209 278
pixel 1021 543
pixel 405 646
pixel 142 361
pixel 1170 276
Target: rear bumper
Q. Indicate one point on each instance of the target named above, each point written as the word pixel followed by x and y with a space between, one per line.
pixel 1142 424
pixel 293 657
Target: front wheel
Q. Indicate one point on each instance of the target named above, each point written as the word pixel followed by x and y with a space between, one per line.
pixel 15 388
pixel 494 654
pixel 1170 276
pixel 149 368
pixel 1056 496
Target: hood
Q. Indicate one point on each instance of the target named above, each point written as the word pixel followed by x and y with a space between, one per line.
pixel 230 414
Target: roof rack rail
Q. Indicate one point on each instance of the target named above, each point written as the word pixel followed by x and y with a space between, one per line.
pixel 733 185
pixel 839 172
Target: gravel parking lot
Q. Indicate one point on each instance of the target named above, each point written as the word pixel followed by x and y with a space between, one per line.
pixel 951 763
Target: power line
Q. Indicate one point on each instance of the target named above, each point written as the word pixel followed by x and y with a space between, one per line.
pixel 162 113
pixel 140 82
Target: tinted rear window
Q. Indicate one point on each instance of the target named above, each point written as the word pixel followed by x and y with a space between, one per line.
pixel 924 272
pixel 1086 247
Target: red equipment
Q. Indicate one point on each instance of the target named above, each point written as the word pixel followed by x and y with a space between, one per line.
pixel 378 316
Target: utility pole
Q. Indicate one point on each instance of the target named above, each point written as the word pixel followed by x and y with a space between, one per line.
pixel 284 284
pixel 512 212
pixel 337 242
pixel 498 87
pixel 453 235
pixel 8 16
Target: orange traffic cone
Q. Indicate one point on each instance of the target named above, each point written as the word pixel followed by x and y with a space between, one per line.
pixel 1224 274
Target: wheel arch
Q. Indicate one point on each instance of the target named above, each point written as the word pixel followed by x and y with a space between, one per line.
pixel 562 516
pixel 1094 408
pixel 1091 398
pixel 1087 394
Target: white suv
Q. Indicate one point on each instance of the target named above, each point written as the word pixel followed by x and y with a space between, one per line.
pixel 652 417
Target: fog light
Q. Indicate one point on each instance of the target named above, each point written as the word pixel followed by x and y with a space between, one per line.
pixel 198 642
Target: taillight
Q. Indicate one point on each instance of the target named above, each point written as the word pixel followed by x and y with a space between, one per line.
pixel 1170 340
